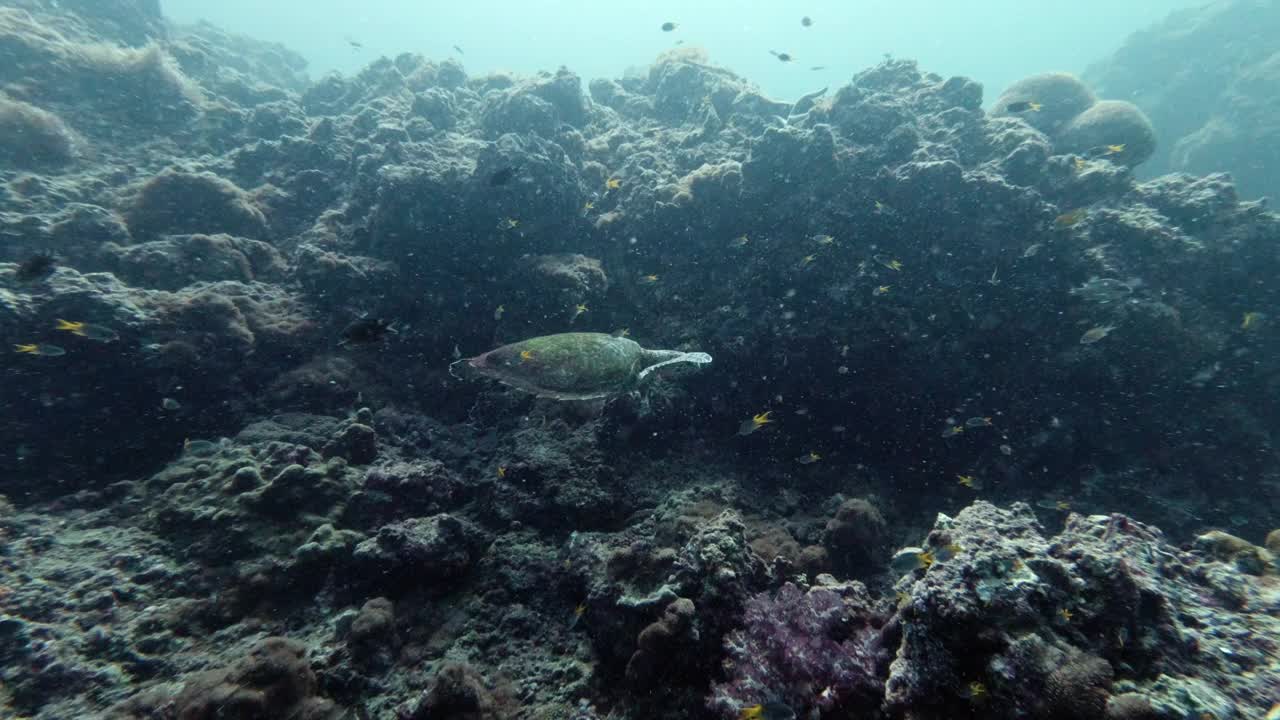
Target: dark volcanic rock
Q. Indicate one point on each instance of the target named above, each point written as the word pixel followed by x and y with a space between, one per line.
pixel 356 442
pixel 417 551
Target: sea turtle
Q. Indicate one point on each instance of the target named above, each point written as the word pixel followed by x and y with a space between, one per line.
pixel 576 366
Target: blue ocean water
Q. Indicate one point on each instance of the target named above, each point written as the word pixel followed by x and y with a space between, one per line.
pixel 994 42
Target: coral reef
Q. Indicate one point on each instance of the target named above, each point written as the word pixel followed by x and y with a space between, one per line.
pixel 33 139
pixel 458 691
pixel 1061 97
pixel 1104 615
pixel 181 260
pixel 423 551
pixel 79 71
pixel 1110 122
pixel 272 681
pixel 658 645
pixel 1062 107
pixel 918 310
pixel 176 202
pixel 1209 117
pixel 814 651
pixel 855 537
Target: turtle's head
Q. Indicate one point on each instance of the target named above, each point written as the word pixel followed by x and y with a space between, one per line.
pixel 466 368
pixel 500 362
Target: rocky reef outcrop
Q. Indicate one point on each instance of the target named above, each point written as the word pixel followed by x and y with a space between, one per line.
pixel 215 491
pixel 1100 619
pixel 1209 117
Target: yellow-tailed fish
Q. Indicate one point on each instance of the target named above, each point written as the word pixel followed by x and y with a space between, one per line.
pixel 99 333
pixel 755 423
pixel 38 349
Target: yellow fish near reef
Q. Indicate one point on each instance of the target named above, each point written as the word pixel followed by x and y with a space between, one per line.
pixel 755 423
pixel 1024 106
pixel 85 330
pixel 612 184
pixel 767 711
pixel 946 552
pixel 1251 320
pixel 45 350
pixel 891 263
pixel 578 612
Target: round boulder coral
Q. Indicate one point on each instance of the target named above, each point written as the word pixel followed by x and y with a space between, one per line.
pixel 1130 706
pixel 855 536
pixel 1059 97
pixel 1079 688
pixel 33 139
pixel 177 202
pixel 1114 124
pixel 274 680
pixel 1273 541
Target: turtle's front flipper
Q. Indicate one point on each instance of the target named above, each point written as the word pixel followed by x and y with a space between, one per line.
pixel 697 358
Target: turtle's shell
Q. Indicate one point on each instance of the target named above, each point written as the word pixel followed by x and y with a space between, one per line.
pixel 567 366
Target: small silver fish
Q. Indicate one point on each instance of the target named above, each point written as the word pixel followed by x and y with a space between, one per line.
pixel 1094 334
